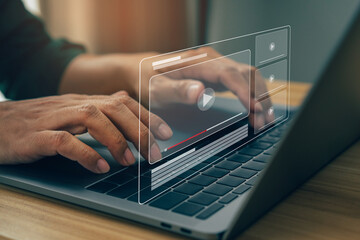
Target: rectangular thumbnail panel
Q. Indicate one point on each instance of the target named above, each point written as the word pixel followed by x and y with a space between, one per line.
pixel 279 110
pixel 271 46
pixel 275 76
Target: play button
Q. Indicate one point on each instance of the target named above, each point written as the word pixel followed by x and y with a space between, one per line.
pixel 206 99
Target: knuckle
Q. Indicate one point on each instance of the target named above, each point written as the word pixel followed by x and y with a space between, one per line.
pixel 119 140
pixel 110 105
pixel 231 70
pixel 88 110
pixel 155 119
pixel 116 105
pixel 125 99
pixel 144 132
pixel 182 84
pixel 86 153
pixel 61 138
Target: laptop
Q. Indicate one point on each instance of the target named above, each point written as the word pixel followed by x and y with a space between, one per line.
pixel 241 183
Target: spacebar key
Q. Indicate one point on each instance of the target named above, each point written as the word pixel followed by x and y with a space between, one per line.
pixel 169 200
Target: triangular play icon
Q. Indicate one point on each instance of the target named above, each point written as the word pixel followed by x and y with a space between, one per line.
pixel 206 99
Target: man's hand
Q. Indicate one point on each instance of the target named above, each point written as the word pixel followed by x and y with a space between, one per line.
pixel 32 129
pixel 105 74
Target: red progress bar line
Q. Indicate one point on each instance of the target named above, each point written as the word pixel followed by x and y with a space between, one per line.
pixel 187 139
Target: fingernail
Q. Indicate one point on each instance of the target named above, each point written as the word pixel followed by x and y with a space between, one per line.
pixel 193 91
pixel 165 131
pixel 102 166
pixel 129 157
pixel 155 153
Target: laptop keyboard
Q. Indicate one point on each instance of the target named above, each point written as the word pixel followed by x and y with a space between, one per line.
pixel 218 183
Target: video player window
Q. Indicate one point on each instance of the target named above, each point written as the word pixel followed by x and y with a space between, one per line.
pixel 233 106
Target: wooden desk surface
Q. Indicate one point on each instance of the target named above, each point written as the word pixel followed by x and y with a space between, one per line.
pixel 326 207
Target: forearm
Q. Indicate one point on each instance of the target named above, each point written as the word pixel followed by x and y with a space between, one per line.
pixel 92 74
pixel 102 74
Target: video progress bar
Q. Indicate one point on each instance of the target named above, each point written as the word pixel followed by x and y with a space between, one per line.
pixel 162 175
pixel 184 140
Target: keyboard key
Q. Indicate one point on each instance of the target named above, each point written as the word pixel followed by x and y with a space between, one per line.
pixel 250 151
pixel 262 158
pixel 228 198
pixel 260 145
pixel 243 173
pixel 125 190
pixel 257 166
pixel 241 189
pixel 218 190
pixel 228 165
pixel 202 180
pixel 188 188
pixel 203 199
pixel 252 181
pixel 270 151
pixel 134 198
pixel 240 158
pixel 210 211
pixel 231 181
pixel 212 159
pixel 186 174
pixel 132 171
pixel 215 172
pixel 144 181
pixel 274 134
pixel 120 178
pixel 188 209
pixel 102 187
pixel 147 194
pixel 169 200
pixel 269 139
pixel 199 166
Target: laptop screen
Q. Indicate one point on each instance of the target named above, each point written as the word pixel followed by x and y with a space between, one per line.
pixel 237 80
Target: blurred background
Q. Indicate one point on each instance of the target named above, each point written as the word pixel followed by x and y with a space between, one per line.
pixel 109 26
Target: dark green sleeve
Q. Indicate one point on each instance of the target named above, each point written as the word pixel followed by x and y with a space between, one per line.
pixel 31 62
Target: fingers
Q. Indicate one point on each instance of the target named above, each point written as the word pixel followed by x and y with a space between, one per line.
pixel 49 143
pixel 239 84
pixel 166 90
pixel 268 111
pixel 102 129
pixel 157 126
pixel 89 117
pixel 133 129
pixel 112 120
